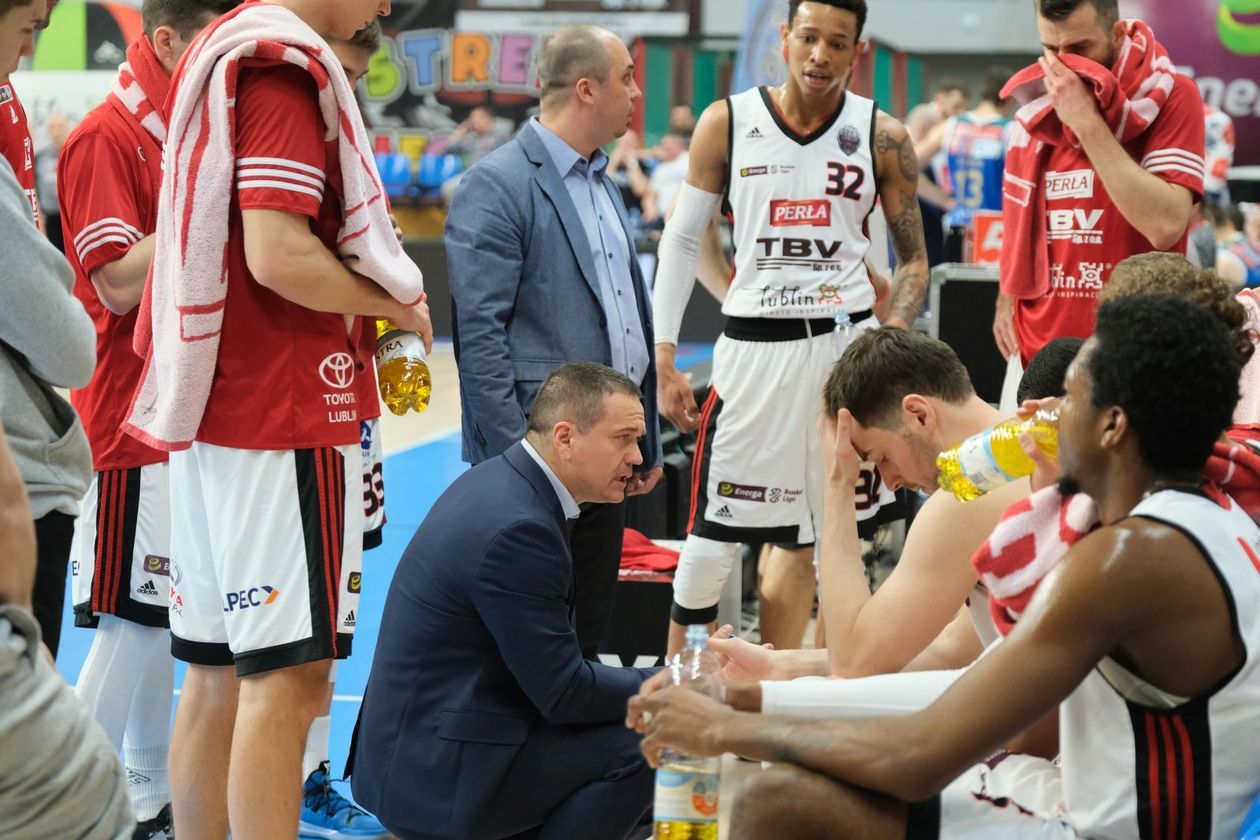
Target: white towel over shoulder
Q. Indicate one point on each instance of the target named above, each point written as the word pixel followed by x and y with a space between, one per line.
pixel 181 316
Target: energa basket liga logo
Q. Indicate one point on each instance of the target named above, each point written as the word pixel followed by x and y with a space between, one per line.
pixel 1237 36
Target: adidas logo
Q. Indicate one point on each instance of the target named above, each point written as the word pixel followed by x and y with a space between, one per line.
pixel 723 512
pixel 755 134
pixel 147 589
pixel 349 619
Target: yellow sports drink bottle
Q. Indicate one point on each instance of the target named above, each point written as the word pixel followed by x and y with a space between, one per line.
pixel 990 459
pixel 402 369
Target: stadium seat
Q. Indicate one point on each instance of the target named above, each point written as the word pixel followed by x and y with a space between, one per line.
pixel 395 169
pixel 436 170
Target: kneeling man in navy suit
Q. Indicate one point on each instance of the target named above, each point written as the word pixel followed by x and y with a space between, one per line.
pixel 481 719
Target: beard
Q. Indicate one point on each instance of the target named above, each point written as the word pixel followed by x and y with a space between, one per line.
pixel 1068 486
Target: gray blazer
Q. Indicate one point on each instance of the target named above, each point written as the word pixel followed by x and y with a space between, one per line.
pixel 525 295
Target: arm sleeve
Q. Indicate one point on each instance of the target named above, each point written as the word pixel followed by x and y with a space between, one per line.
pixel 485 256
pixel 98 201
pixel 37 280
pixel 679 254
pixel 885 695
pixel 279 142
pixel 521 592
pixel 1174 148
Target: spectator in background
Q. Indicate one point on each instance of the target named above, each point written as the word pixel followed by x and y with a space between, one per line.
pixel 58 129
pixel 62 778
pixel 625 168
pixel 974 144
pixel 1237 260
pixel 948 101
pixel 477 136
pixel 46 342
pixel 1219 148
pixel 682 121
pixel 667 178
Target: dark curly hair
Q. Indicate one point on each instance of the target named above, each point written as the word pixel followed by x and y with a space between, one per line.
pixel 1173 368
pixel 1044 377
pixel 1171 274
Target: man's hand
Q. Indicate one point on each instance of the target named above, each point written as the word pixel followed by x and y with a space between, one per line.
pixel 1047 468
pixel 1004 326
pixel 1073 102
pixel 686 720
pixel 393 220
pixel 416 319
pixel 841 461
pixel 743 661
pixel 674 396
pixel 642 483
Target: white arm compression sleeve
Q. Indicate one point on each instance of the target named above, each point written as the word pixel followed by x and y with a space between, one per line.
pixel 903 693
pixel 678 255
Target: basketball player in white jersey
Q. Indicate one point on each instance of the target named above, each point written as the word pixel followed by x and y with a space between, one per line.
pixel 800 168
pixel 1146 636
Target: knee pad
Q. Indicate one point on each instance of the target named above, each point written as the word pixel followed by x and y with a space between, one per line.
pixel 703 568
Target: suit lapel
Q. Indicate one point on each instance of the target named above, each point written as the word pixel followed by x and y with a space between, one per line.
pixel 525 465
pixel 553 187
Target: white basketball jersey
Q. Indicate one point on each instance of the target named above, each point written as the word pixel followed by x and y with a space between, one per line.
pixel 799 207
pixel 1137 763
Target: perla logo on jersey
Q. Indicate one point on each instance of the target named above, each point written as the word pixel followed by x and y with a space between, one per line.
pixel 811 212
pixel 1076 184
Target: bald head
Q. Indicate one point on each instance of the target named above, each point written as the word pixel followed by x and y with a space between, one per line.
pixel 574 52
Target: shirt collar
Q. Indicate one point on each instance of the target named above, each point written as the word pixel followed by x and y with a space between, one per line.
pixel 567 502
pixel 565 157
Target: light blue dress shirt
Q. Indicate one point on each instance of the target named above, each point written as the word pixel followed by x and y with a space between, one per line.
pixel 567 502
pixel 584 180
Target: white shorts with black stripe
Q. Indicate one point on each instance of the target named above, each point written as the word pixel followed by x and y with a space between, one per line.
pixel 373 482
pixel 1014 797
pixel 266 551
pixel 757 475
pixel 120 554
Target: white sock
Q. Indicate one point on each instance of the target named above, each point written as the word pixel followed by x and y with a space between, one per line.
pixel 149 729
pixel 316 746
pixel 146 780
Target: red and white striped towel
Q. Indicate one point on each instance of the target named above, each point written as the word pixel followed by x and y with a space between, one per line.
pixel 141 88
pixel 181 315
pixel 1029 541
pixel 1035 533
pixel 1130 96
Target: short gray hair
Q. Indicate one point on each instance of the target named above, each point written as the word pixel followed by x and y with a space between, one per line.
pixel 575 393
pixel 573 52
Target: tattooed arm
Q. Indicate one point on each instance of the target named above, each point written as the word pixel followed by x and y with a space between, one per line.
pixel 898 177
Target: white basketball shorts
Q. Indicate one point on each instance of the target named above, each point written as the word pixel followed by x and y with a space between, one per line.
pixel 266 553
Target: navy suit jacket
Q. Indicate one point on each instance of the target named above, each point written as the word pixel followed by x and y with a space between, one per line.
pixel 525 294
pixel 477 646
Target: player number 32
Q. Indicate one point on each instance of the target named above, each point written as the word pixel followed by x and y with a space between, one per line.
pixel 845 180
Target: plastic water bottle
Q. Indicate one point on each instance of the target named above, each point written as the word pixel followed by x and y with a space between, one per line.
pixel 686 805
pixel 402 369
pixel 994 457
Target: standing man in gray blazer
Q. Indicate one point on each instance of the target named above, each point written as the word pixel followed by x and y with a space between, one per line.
pixel 543 271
